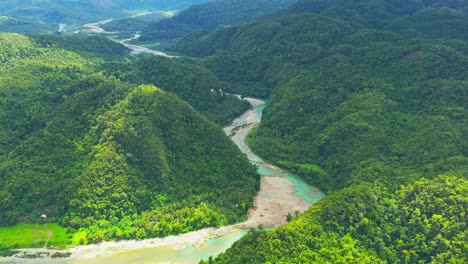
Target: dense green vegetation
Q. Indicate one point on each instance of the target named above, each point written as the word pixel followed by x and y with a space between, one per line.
pixel 110 158
pixel 193 83
pixel 364 94
pixel 424 222
pixel 209 16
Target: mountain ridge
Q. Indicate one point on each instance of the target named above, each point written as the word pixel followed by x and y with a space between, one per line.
pixel 209 16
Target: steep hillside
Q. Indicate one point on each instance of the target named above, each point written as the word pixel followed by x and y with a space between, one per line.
pixel 210 16
pixel 114 159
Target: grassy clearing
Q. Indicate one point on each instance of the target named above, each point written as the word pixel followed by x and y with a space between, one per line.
pixel 27 235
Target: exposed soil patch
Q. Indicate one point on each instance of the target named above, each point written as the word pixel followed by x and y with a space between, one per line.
pixel 413 54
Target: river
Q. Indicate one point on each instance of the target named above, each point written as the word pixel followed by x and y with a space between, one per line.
pixel 140 49
pixel 96 28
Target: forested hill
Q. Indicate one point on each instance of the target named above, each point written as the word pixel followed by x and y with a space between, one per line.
pixel 209 16
pixel 114 159
pixel 368 102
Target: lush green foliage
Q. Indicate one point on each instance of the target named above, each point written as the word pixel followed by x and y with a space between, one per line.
pixel 210 16
pixel 424 222
pixel 114 159
pixel 195 84
pixel 363 94
pixel 368 102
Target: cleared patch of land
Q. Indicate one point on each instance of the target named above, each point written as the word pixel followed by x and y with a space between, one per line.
pixel 26 235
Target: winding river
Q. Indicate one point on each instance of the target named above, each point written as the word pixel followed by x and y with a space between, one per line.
pixel 280 193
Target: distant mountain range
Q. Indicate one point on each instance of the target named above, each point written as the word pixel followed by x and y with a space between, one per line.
pixel 45 15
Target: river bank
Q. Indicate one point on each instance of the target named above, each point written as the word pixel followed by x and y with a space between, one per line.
pixel 136 50
pixel 279 195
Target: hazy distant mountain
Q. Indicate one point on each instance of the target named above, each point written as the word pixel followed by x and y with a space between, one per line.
pixel 40 15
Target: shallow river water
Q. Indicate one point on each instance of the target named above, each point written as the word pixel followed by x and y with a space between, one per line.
pixel 168 254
